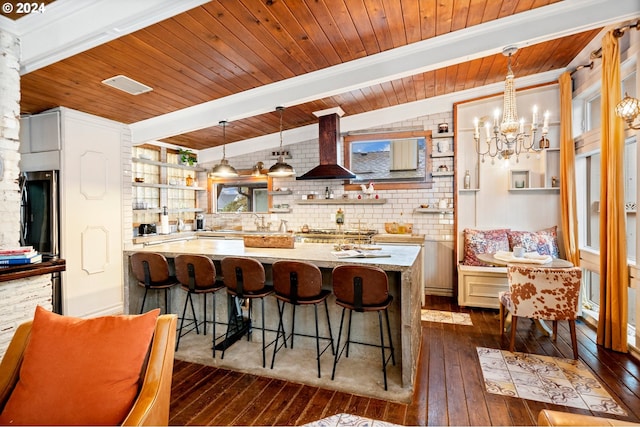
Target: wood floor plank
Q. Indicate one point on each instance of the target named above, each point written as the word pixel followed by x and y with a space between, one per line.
pixel 437 407
pixel 251 414
pixel 279 404
pixel 290 415
pixel 457 412
pixel 234 407
pixel 199 399
pixel 316 407
pixel 449 385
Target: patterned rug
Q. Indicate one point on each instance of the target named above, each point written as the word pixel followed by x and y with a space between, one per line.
pixel 446 317
pixel 547 379
pixel 341 420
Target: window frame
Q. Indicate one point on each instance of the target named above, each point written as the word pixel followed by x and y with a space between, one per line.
pixel 390 135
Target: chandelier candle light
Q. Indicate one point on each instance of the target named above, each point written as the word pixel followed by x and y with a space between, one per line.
pixel 509 137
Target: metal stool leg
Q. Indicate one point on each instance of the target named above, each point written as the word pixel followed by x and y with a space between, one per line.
pixel 326 309
pixel 337 355
pixel 393 357
pixel 315 309
pixel 144 298
pixel 384 363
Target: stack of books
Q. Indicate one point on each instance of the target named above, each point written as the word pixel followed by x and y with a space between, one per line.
pixel 19 256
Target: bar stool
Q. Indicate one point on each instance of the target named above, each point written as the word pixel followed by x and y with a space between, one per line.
pixel 299 283
pixel 362 289
pixel 197 275
pixel 151 269
pixel 244 278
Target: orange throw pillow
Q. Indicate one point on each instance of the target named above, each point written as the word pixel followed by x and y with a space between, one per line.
pixel 80 371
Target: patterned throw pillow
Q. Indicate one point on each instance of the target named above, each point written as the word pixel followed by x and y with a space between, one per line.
pixel 483 241
pixel 545 242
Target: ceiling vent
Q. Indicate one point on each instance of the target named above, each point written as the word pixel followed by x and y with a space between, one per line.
pixel 126 84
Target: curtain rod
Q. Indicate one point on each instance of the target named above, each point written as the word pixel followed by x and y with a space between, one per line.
pixel 597 54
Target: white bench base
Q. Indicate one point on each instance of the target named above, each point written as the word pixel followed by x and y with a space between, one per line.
pixel 479 286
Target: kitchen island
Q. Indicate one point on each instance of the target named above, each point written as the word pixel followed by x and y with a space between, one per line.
pixel 401 262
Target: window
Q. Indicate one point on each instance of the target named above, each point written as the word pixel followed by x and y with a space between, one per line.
pixel 241 195
pixel 390 159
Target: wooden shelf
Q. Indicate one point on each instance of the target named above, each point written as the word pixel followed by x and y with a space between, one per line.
pixel 438 154
pixel 174 187
pixel 443 173
pixel 442 135
pixel 534 189
pixel 433 210
pixel 279 210
pixel 168 165
pixel 158 210
pixel 280 193
pixel 342 202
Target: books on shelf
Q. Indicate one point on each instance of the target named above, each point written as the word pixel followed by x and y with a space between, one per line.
pixel 19 256
pixel 19 250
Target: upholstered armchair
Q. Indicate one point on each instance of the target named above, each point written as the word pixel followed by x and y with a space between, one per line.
pixel 544 294
pixel 151 386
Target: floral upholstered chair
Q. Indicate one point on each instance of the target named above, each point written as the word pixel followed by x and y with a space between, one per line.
pixel 544 294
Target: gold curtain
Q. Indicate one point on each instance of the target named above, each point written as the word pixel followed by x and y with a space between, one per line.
pixel 569 212
pixel 612 321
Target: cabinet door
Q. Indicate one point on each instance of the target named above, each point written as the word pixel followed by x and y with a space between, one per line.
pixel 92 216
pixel 25 135
pixel 45 132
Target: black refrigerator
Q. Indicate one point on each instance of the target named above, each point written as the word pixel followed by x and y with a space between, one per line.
pixel 40 220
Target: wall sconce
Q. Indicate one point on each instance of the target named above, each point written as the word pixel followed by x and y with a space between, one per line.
pixel 257 169
pixel 628 109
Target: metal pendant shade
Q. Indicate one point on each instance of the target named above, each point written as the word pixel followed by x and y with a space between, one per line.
pixel 280 168
pixel 224 169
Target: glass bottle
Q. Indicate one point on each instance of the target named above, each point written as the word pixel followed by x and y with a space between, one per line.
pixel 467 180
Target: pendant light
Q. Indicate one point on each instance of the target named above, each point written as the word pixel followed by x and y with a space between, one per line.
pixel 280 168
pixel 224 169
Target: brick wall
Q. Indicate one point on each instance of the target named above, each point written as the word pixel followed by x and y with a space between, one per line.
pixel 18 298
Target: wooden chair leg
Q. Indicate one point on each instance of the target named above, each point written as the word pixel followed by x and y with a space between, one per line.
pixel 514 324
pixel 554 330
pixel 574 339
pixel 502 316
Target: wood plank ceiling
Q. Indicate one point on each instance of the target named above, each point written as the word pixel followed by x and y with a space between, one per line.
pixel 225 47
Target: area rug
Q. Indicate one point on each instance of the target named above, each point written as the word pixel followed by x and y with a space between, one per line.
pixel 546 379
pixel 340 420
pixel 446 317
pixel 360 373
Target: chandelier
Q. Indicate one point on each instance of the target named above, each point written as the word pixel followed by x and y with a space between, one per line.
pixel 507 138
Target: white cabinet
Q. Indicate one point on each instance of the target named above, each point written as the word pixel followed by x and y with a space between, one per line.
pixel 40 133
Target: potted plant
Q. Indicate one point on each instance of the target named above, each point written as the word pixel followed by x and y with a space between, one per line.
pixel 187 157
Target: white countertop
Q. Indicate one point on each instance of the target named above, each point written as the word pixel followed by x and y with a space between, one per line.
pixel 401 256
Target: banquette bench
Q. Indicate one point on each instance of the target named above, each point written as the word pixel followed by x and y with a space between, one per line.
pixel 479 284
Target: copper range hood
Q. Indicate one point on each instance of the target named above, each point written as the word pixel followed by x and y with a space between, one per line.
pixel 329 132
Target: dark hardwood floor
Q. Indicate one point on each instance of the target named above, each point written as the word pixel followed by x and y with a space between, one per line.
pixel 449 383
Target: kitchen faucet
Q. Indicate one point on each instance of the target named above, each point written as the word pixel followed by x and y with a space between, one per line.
pixel 260 224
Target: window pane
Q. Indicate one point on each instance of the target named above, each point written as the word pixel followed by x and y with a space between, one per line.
pixel 593 201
